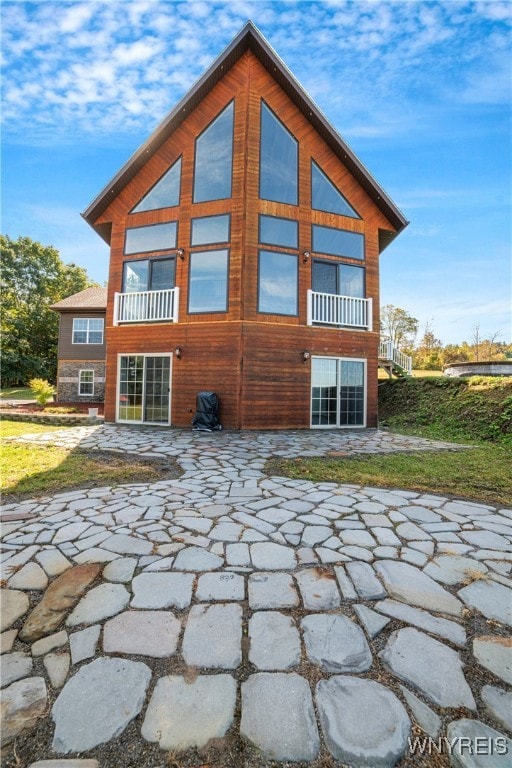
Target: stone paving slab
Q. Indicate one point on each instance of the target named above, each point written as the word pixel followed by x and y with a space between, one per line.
pixel 183 714
pixel 233 593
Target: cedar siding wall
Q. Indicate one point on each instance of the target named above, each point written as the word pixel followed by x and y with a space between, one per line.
pixel 252 360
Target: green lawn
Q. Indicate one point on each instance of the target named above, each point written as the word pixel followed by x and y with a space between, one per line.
pixel 480 474
pixel 29 469
pixel 16 393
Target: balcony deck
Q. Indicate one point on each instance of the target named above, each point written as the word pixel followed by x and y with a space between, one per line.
pixel 147 306
pixel 339 311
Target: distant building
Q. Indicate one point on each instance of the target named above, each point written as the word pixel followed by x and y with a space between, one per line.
pixel 82 349
pixel 244 243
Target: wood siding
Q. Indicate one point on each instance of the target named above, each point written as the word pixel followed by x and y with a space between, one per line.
pixel 252 360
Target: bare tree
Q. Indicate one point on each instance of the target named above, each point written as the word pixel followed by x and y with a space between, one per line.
pixel 476 341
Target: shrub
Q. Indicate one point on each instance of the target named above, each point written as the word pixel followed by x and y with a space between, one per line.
pixel 42 390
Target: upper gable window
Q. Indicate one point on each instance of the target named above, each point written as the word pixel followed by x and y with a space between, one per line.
pixel 208 281
pixel 214 159
pixel 278 160
pixel 338 242
pixel 148 275
pixel 210 229
pixel 278 278
pixel 325 197
pixel 156 237
pixel 337 278
pixel 277 231
pixel 165 193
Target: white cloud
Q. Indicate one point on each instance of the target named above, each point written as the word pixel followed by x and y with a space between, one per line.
pixel 365 62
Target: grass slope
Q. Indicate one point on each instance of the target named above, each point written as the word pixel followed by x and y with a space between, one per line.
pixel 477 411
pixel 465 410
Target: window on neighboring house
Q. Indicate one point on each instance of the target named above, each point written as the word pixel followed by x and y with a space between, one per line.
pixel 210 229
pixel 325 196
pixel 278 160
pixel 340 279
pixel 338 242
pixel 165 193
pixel 278 283
pixel 86 383
pixel 148 275
pixel 208 281
pixel 88 330
pixel 155 237
pixel 214 159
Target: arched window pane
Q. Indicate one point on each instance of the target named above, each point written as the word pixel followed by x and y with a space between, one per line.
pixel 278 160
pixel 325 196
pixel 214 159
pixel 165 193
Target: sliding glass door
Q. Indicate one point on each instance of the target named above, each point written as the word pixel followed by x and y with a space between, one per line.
pixel 338 392
pixel 144 389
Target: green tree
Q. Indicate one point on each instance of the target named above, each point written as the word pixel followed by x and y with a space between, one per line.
pixel 428 354
pixel 33 277
pixel 398 326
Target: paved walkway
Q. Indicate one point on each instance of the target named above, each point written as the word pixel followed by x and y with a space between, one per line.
pixel 260 618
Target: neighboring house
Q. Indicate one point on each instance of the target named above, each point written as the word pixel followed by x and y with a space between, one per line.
pixel 244 258
pixel 82 349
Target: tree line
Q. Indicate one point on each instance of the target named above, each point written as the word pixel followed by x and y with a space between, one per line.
pixel 33 277
pixel 429 352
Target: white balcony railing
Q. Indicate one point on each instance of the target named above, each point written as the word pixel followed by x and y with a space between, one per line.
pixel 387 351
pixel 147 306
pixel 340 311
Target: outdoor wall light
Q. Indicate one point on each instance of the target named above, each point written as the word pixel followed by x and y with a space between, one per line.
pixel 305 356
pixel 305 256
pixel 177 352
pixel 181 253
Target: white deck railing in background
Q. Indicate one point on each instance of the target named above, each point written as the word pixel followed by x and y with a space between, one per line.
pixel 147 306
pixel 389 352
pixel 340 311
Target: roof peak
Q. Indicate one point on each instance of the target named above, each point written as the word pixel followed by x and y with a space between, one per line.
pixel 249 37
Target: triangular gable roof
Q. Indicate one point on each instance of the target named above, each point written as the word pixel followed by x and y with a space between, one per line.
pixel 94 297
pixel 249 38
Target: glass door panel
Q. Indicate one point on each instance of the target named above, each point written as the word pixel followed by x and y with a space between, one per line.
pixel 351 393
pixel 337 392
pixel 144 389
pixel 156 397
pixel 131 387
pixel 324 392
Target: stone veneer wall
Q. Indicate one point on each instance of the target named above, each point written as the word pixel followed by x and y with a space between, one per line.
pixel 67 381
pixel 53 419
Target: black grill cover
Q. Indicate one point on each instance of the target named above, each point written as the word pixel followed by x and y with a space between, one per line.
pixel 207 412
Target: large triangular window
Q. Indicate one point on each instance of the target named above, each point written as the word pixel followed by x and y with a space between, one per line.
pixel 325 197
pixel 278 160
pixel 214 159
pixel 165 193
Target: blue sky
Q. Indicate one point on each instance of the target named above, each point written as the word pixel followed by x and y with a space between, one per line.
pixel 420 90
